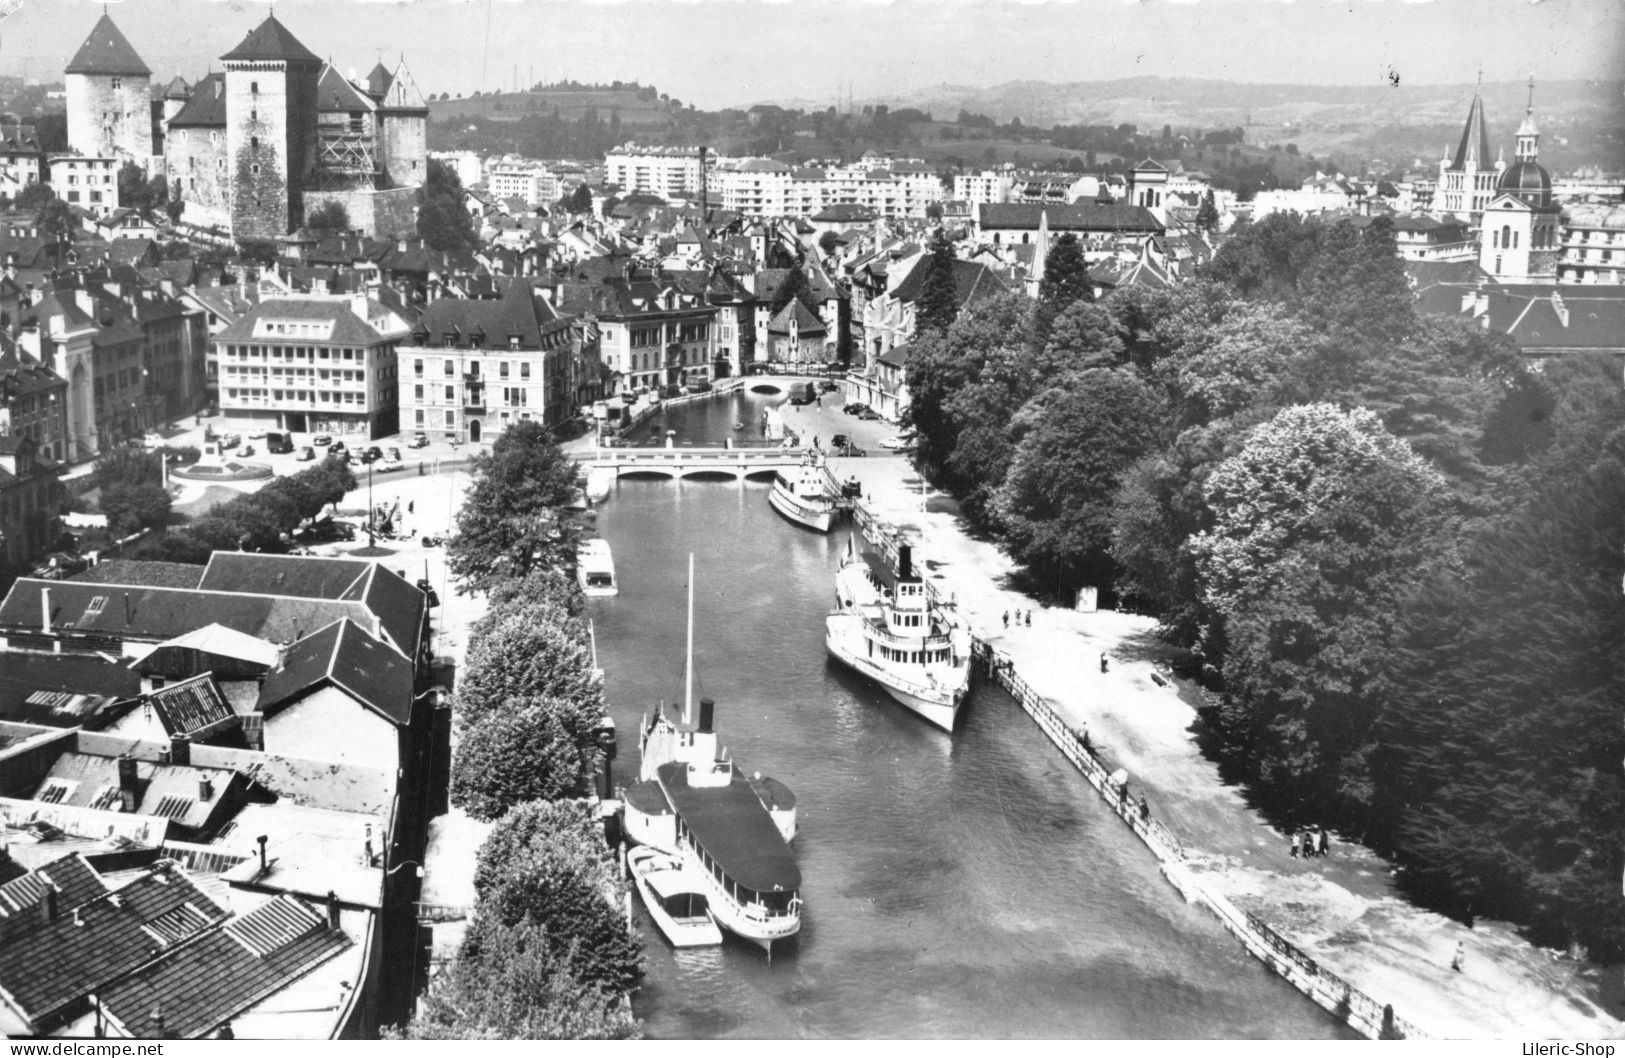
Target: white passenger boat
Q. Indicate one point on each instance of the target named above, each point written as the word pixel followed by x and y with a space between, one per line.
pixel 807 495
pixel 885 627
pixel 595 568
pixel 731 830
pixel 674 897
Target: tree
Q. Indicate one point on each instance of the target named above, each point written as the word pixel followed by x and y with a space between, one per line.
pixel 794 287
pixel 134 506
pixel 828 243
pixel 443 220
pixel 1066 276
pixel 515 983
pixel 938 302
pixel 526 651
pixel 1319 524
pixel 33 197
pixel 580 200
pixel 259 251
pixel 518 751
pixel 329 216
pixel 1075 440
pixel 933 210
pixel 511 520
pixel 1207 216
pixel 56 220
pixel 540 865
pixel 133 188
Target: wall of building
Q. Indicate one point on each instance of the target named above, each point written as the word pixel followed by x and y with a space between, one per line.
pixel 195 162
pixel 271 108
pixel 380 214
pixel 111 115
pixel 404 142
pixel 330 725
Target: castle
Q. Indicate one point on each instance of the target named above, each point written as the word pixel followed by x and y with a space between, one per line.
pixel 255 149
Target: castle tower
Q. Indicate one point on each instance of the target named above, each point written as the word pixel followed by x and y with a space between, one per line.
pixel 175 97
pixel 271 83
pixel 1467 180
pixel 1521 237
pixel 109 94
pixel 1148 187
pixel 403 123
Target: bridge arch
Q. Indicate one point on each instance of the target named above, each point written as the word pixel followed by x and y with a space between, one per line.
pixel 767 388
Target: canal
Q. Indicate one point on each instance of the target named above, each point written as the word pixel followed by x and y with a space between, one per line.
pixel 954 887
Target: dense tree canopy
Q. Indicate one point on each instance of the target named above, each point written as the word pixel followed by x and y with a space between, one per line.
pixel 938 301
pixel 519 750
pixel 443 220
pixel 512 517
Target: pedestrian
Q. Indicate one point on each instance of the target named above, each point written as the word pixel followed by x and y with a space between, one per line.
pixel 1007 619
pixel 1103 662
pixel 815 440
pixel 1145 809
pixel 1322 841
pixel 411 506
pixel 1029 618
pixel 1460 956
pixel 1296 843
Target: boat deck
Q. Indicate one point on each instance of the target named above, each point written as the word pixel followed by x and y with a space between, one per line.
pixel 730 823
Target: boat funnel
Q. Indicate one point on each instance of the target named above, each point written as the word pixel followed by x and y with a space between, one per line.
pixel 708 709
pixel 905 562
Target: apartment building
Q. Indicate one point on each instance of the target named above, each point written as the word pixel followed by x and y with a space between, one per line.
pixel 670 172
pixel 315 363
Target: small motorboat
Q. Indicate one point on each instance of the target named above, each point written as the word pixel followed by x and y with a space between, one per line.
pixel 675 898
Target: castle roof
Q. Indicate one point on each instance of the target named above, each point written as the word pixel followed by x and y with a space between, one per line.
pixel 378 81
pixel 333 92
pixel 1474 149
pixel 270 41
pixel 178 89
pixel 207 107
pixel 106 52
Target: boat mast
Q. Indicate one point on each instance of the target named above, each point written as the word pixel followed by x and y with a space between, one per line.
pixel 688 666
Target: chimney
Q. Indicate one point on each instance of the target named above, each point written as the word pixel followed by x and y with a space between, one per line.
pixel 400 244
pixel 82 297
pixel 708 709
pixel 127 777
pixel 358 305
pixel 48 902
pixel 1561 309
pixel 45 611
pixel 180 750
pixel 157 1023
pixel 905 562
pixel 264 864
pixel 332 910
pixel 205 788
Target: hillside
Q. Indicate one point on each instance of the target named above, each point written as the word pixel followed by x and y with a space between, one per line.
pixel 637 108
pixel 1396 124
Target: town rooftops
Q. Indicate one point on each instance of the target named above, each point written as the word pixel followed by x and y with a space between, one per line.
pixel 74 880
pixel 806 321
pixel 170 791
pixel 49 967
pixel 845 213
pixel 196 989
pixel 270 41
pixel 347 328
pixel 106 53
pixel 520 313
pixel 393 603
pixel 333 92
pixel 1094 217
pixel 192 708
pixel 64 690
pixel 973 282
pixel 342 655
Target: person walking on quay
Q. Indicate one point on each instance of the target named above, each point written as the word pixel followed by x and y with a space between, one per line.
pixel 1460 956
pixel 1297 840
pixel 1102 661
pixel 1322 841
pixel 1029 618
pixel 1007 620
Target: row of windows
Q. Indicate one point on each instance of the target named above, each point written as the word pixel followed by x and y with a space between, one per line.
pixel 912 657
pixel 320 396
pixel 295 352
pixel 450 368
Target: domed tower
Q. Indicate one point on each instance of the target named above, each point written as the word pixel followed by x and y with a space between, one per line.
pixel 1519 240
pixel 109 96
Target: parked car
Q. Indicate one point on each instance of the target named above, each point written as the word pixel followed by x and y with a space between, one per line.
pixel 341 455
pixel 368 455
pixel 324 530
pixel 230 440
pixel 386 464
pixel 897 442
pixel 868 414
pixel 278 442
pixel 246 450
pixel 827 386
pixel 419 440
pixel 840 440
pixel 306 454
pixel 855 407
pixel 321 439
pixel 257 435
pixel 392 453
pixel 336 448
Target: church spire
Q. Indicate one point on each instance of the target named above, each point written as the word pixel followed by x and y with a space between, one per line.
pixel 1528 135
pixel 1473 152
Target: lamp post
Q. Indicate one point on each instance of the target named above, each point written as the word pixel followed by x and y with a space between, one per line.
pixel 372 512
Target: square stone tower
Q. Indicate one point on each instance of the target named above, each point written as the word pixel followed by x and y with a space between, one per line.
pixel 109 92
pixel 271 82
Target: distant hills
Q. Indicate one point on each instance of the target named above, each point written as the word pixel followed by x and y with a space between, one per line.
pixel 1581 121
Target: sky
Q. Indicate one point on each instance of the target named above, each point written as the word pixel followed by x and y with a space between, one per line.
pixel 717 53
